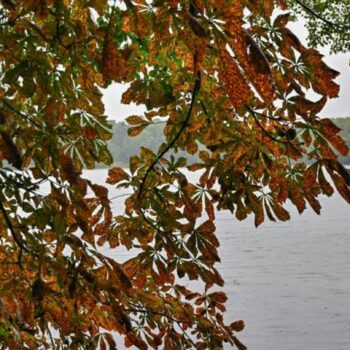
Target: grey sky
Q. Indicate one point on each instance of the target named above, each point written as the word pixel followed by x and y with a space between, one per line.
pixel 339 107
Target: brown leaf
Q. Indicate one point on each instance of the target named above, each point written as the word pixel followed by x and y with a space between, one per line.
pixel 257 58
pixel 206 227
pixel 236 86
pixel 116 175
pixel 137 130
pixel 133 339
pixel 281 20
pixel 219 297
pixel 135 120
pixel 237 326
pixel 10 151
pixel 330 130
pixel 112 344
pixel 70 171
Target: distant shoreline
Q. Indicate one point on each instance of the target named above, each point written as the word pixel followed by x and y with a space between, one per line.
pixel 122 146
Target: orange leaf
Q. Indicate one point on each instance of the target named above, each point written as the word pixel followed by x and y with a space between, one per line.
pixel 135 120
pixel 330 130
pixel 115 175
pixel 236 86
pixel 132 339
pixel 206 227
pixel 219 297
pixel 237 326
pixel 137 130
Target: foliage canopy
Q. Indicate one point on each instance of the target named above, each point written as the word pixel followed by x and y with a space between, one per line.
pixel 327 21
pixel 228 75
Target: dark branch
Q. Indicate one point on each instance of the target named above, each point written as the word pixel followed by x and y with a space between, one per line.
pixel 278 119
pixel 253 113
pixel 13 109
pixel 321 18
pixel 172 143
pixel 14 235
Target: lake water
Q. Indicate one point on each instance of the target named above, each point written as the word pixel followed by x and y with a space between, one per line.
pixel 290 282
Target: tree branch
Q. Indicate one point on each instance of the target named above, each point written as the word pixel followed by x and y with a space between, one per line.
pixel 278 119
pixel 253 113
pixel 172 143
pixel 321 18
pixel 13 233
pixel 13 109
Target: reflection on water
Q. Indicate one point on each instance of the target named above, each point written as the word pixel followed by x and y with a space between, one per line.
pixel 290 282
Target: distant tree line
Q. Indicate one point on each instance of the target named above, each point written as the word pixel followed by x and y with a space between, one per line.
pixel 123 146
pixel 344 124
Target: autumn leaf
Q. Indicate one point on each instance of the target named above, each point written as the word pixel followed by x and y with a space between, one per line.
pixel 135 120
pixel 237 89
pixel 237 326
pixel 331 131
pixel 116 175
pixel 137 130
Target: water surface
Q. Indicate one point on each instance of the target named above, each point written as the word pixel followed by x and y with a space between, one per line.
pixel 290 282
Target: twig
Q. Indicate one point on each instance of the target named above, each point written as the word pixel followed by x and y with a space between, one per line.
pixel 21 114
pixel 317 15
pixel 171 144
pixel 121 195
pixel 204 108
pixel 158 229
pixel 58 33
pixel 268 117
pixel 149 222
pixel 11 228
pixel 145 218
pixel 253 113
pixel 14 235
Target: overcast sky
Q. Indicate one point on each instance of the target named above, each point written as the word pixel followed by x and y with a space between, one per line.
pixel 339 107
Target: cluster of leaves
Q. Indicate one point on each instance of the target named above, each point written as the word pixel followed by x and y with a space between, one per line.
pixel 327 21
pixel 226 75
